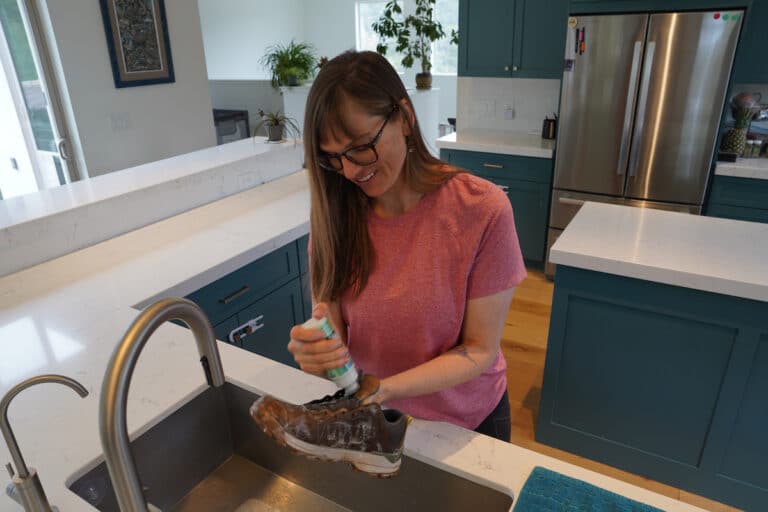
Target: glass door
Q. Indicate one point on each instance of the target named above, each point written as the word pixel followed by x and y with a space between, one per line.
pixel 34 153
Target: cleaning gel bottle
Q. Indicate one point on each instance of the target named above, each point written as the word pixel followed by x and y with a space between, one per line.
pixel 344 376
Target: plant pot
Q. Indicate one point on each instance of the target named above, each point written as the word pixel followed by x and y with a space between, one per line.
pixel 424 80
pixel 274 133
pixel 292 80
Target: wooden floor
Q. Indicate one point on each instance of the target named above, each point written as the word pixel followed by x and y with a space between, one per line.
pixel 524 344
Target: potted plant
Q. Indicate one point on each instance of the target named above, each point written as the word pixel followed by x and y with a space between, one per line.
pixel 413 36
pixel 290 64
pixel 277 126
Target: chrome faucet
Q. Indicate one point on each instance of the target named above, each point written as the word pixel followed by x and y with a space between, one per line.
pixel 26 483
pixel 117 379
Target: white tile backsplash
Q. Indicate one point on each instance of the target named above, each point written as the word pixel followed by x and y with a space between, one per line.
pixel 514 104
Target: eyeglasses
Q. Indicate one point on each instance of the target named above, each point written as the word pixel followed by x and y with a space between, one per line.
pixel 364 154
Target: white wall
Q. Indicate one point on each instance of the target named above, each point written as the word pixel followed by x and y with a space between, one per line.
pixel 120 128
pixel 233 47
pixel 236 33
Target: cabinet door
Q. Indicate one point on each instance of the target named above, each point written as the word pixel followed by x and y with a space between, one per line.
pixel 530 203
pixel 750 66
pixel 747 450
pixel 274 316
pixel 539 45
pixel 485 37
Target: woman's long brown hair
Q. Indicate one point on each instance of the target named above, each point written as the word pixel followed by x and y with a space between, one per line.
pixel 342 253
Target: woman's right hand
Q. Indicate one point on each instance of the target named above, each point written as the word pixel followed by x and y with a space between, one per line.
pixel 312 352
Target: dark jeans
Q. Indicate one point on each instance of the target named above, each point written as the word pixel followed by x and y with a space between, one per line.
pixel 498 424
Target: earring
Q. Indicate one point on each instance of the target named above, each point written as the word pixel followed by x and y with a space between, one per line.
pixel 410 144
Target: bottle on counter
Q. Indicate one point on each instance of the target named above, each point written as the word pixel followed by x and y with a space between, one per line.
pixel 344 376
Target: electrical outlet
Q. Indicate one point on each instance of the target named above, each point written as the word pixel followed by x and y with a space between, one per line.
pixel 509 112
pixel 120 121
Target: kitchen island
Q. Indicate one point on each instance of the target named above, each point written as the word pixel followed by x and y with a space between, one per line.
pixel 66 315
pixel 657 358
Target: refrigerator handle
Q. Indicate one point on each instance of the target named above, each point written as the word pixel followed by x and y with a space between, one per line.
pixel 629 109
pixel 640 120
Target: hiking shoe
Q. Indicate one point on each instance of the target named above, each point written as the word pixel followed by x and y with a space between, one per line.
pixel 338 428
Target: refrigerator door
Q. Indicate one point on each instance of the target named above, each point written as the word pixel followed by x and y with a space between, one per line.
pixel 598 102
pixel 687 63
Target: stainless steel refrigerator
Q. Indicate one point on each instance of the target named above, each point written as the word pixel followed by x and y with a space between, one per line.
pixel 642 96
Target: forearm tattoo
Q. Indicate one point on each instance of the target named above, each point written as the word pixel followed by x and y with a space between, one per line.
pixel 462 351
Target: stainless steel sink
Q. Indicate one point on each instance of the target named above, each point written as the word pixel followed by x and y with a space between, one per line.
pixel 209 456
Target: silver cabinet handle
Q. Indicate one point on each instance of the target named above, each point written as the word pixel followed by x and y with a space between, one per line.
pixel 234 295
pixel 506 68
pixel 515 68
pixel 571 202
pixel 503 187
pixel 629 109
pixel 246 329
pixel 493 166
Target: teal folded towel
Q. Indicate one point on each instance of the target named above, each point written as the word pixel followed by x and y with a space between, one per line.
pixel 547 491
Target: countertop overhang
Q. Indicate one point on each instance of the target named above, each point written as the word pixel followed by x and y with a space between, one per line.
pixel 499 141
pixel 704 253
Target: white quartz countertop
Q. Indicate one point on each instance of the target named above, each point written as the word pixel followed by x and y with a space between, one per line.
pixel 756 168
pixel 66 315
pixel 499 141
pixel 704 253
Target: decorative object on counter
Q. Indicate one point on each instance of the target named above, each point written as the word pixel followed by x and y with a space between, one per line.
pixel 26 487
pixel 549 128
pixel 548 491
pixel 290 64
pixel 338 428
pixel 736 139
pixel 277 126
pixel 413 36
pixel 138 42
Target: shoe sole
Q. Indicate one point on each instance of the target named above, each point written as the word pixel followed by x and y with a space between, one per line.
pixel 367 462
pixel 374 464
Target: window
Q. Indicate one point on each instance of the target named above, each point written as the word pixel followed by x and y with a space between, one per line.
pixel 444 54
pixel 367 39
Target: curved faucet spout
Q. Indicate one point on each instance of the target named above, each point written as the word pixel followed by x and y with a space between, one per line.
pixel 27 482
pixel 114 391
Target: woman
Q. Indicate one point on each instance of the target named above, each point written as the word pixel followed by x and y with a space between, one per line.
pixel 413 261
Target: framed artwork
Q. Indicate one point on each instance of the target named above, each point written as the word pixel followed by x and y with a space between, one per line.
pixel 137 37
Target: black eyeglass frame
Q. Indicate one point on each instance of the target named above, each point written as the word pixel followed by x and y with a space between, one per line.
pixel 370 145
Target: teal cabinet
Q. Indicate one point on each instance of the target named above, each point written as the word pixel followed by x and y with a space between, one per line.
pixel 512 38
pixel 485 37
pixel 528 184
pixel 540 31
pixel 662 381
pixel 738 198
pixel 273 315
pixel 751 65
pixel 271 293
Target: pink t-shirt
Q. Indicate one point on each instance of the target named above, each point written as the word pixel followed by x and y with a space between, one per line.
pixel 457 243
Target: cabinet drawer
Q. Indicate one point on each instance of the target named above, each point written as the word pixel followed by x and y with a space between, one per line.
pixel 736 212
pixel 275 314
pixel 494 165
pixel 743 192
pixel 228 295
